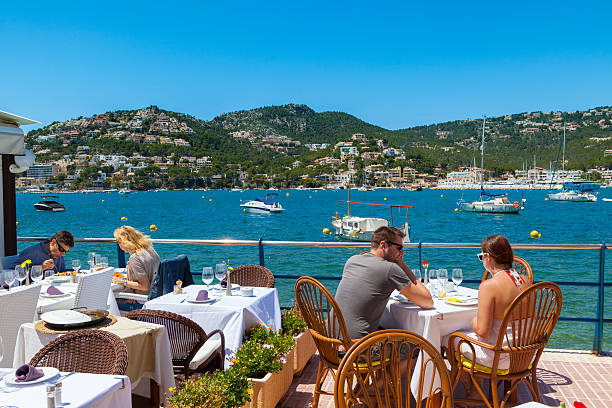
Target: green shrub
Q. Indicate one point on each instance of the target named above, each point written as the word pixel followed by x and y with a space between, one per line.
pixel 292 322
pixel 263 352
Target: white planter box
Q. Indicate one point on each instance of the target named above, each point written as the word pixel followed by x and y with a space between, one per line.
pixel 304 350
pixel 268 391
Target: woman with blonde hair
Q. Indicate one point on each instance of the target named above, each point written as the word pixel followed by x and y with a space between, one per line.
pixel 141 266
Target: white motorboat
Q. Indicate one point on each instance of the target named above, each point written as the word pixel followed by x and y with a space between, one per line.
pixel 573 195
pixel 361 228
pixel 267 204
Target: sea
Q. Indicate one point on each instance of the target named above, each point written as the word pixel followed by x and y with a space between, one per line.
pixel 433 218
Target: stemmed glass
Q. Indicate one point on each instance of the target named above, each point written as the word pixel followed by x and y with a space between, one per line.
pixel 457 277
pixel 104 262
pixel 442 275
pixel 417 273
pixel 9 277
pixel 220 271
pixel 20 274
pixel 36 273
pixel 76 265
pixel 207 276
pixel 91 260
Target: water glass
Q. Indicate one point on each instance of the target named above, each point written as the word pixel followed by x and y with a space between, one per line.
pixel 36 273
pixel 220 271
pixel 442 275
pixel 91 260
pixel 417 273
pixel 20 274
pixel 103 262
pixel 207 276
pixel 457 277
pixel 9 277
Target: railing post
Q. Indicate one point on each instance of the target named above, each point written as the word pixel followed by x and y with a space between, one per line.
pixel 599 326
pixel 261 253
pixel 420 261
pixel 120 257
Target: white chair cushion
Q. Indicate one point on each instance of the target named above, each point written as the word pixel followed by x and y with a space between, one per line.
pixel 205 351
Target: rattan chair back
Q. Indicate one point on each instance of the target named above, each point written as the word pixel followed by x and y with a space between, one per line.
pixel 366 379
pixel 525 330
pixel 519 265
pixel 326 324
pixel 186 336
pixel 252 275
pixel 85 351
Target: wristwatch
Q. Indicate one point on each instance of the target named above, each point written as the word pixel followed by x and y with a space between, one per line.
pixel 125 281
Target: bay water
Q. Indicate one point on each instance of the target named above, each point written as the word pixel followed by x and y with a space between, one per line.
pixel 218 215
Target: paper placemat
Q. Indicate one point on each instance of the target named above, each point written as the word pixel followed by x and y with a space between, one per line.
pixel 41 327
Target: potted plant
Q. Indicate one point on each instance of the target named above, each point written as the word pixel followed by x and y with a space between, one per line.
pixel 222 389
pixel 267 361
pixel 305 347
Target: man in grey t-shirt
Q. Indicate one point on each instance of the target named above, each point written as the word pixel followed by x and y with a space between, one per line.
pixel 369 279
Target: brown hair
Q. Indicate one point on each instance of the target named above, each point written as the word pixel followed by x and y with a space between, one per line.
pixel 63 237
pixel 385 234
pixel 498 248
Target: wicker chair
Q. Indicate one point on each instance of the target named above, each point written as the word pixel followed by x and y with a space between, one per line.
pixel 525 329
pixel 85 351
pixel 191 348
pixel 520 265
pixel 326 324
pixel 252 275
pixel 366 381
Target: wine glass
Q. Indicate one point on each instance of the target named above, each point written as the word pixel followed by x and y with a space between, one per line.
pixel 103 262
pixel 417 273
pixel 220 271
pixel 207 276
pixel 457 277
pixel 91 260
pixel 76 264
pixel 442 275
pixel 9 277
pixel 20 274
pixel 36 273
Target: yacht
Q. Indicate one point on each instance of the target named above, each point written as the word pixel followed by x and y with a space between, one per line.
pixel 49 205
pixel 266 204
pixel 576 191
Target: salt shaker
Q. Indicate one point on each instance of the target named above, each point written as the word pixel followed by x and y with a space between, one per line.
pixel 50 396
pixel 58 393
pixel 228 288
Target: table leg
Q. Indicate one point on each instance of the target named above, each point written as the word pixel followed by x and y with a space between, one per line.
pixel 154 393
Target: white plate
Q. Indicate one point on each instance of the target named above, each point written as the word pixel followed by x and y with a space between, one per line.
pixel 64 317
pixel 463 302
pixel 45 294
pixel 402 299
pixel 49 372
pixel 194 300
pixel 59 279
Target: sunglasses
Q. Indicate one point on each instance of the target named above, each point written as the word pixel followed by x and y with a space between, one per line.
pixel 61 248
pixel 481 255
pixel 399 246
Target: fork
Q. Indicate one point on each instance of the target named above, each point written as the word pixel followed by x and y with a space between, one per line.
pixel 64 376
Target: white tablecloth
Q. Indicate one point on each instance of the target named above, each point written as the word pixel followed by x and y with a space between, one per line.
pixel 29 342
pixel 78 390
pixel 232 314
pixel 432 324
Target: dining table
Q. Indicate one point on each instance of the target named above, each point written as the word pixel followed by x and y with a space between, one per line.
pixel 148 348
pixel 446 317
pixel 78 390
pixel 231 314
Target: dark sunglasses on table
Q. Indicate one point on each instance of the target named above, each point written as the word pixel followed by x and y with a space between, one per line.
pixel 480 256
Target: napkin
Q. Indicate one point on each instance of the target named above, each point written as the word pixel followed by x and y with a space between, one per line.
pixel 27 373
pixel 202 295
pixel 54 291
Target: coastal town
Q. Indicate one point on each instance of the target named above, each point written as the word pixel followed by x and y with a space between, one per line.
pixel 152 149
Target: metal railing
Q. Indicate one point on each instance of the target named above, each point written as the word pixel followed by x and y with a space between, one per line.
pixel 599 320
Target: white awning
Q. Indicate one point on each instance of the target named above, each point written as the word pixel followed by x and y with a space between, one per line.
pixel 11 136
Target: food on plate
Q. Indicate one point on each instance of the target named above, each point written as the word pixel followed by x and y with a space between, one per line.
pixel 119 275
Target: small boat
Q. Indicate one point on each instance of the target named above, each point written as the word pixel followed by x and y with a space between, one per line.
pixel 361 229
pixel 266 204
pixel 573 195
pixel 49 205
pixel 492 203
pixel 606 199
pixel 124 191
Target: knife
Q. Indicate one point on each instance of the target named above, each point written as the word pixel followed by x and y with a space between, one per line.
pixel 64 376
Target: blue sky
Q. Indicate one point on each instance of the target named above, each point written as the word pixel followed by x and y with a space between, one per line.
pixel 393 64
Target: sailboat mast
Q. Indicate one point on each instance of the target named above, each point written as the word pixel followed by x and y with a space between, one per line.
pixel 482 152
pixel 563 162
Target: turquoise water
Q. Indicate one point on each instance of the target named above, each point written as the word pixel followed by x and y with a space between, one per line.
pixel 217 215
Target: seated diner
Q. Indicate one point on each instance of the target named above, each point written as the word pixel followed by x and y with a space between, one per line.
pixel 141 266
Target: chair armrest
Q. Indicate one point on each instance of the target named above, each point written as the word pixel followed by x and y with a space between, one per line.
pixel 470 340
pixel 220 333
pixel 132 296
